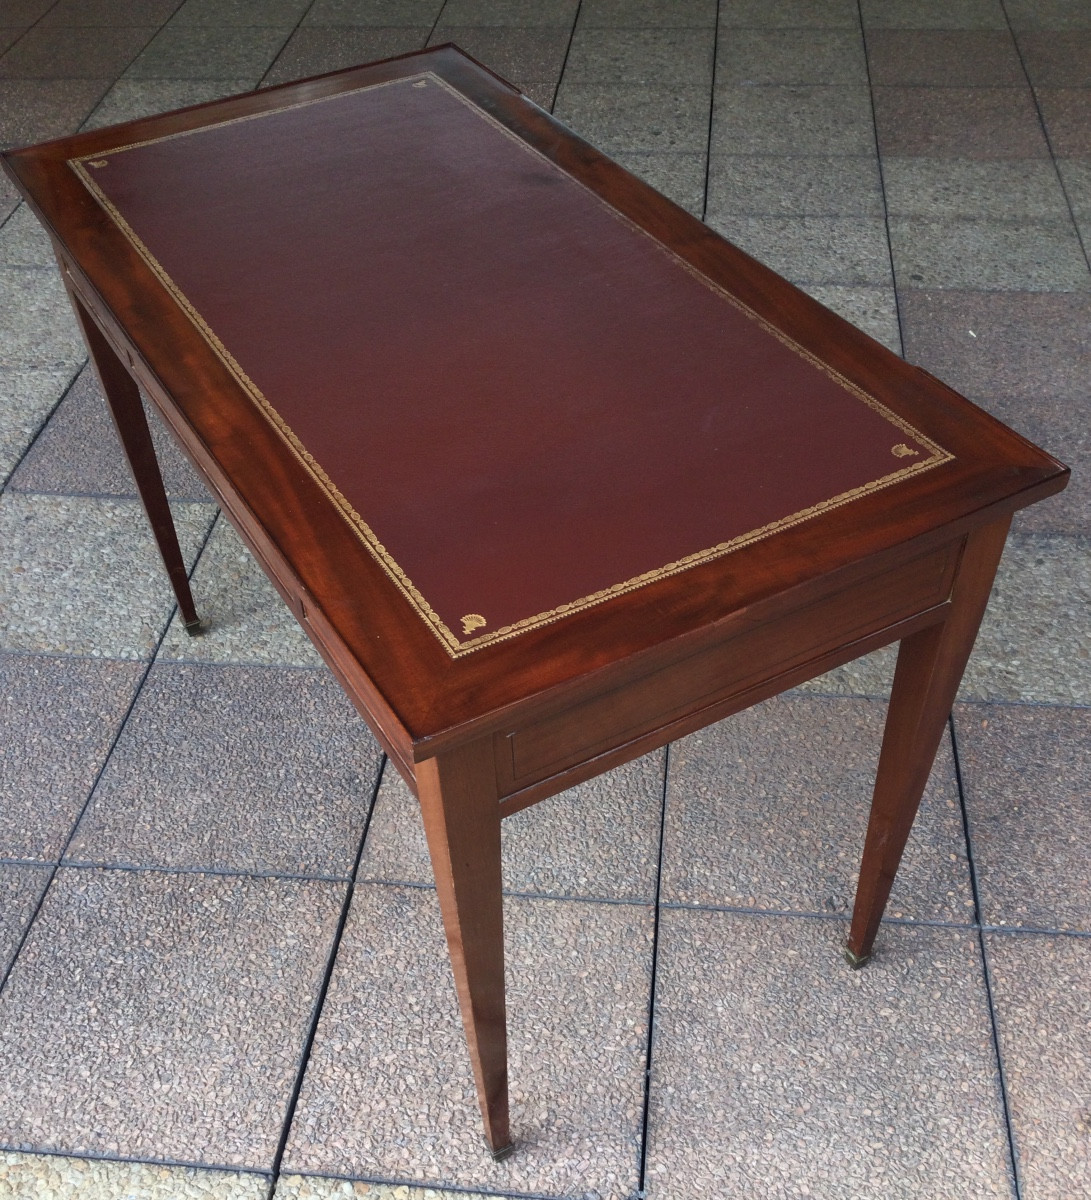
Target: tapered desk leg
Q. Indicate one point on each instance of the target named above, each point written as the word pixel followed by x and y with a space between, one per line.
pixel 123 398
pixel 929 670
pixel 461 811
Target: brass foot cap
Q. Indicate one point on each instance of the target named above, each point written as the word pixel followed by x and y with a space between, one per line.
pixel 856 961
pixel 502 1153
pixel 194 628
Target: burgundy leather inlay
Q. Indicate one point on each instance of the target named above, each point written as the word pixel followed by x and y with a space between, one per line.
pixel 524 398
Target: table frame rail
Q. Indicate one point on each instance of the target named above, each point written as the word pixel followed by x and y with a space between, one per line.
pixel 466 784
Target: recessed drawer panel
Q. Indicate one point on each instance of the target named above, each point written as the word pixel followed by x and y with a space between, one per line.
pixel 740 662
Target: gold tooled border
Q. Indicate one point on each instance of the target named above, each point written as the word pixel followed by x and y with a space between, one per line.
pixel 454 646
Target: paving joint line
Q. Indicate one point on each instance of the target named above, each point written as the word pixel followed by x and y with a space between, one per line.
pixel 283 46
pixel 516 893
pixel 1020 703
pixel 567 52
pixel 172 499
pixel 743 910
pixel 711 118
pixel 324 986
pixel 1009 1129
pixel 642 1164
pixel 882 181
pixel 92 1156
pixel 41 17
pixel 235 663
pixel 70 655
pixel 422 1185
pixel 1037 931
pixel 4 487
pixel 219 872
pixel 435 23
pixel 1045 134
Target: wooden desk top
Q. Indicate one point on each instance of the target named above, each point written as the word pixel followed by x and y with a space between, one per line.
pixel 522 402
pixel 504 415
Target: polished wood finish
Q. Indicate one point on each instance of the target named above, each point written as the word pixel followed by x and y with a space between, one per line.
pixel 462 823
pixel 739 659
pixel 929 670
pixel 482 735
pixel 123 400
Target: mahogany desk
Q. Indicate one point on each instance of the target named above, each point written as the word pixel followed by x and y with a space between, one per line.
pixel 549 472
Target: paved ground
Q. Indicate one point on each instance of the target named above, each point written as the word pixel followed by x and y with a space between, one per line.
pixel 224 966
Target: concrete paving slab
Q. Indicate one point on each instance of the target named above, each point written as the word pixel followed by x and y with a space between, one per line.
pixel 620 117
pixel 227 768
pixel 950 122
pixel 59 718
pixel 526 58
pixel 944 188
pixel 790 14
pixel 1056 59
pixel 316 49
pixel 243 618
pixel 847 251
pixel 943 58
pixel 769 808
pixel 78 452
pixel 519 14
pixel 1035 641
pixel 130 99
pixel 1026 772
pixel 84 575
pixel 988 255
pixel 27 397
pixel 814 185
pixel 34 110
pixel 209 52
pixel 375 12
pixel 388 1094
pixel 24 243
pixel 60 1178
pixel 777 1071
pixel 122 1035
pixel 51 51
pixel 680 177
pixel 792 120
pixel 652 57
pixel 21 887
pixel 933 14
pixel 228 13
pixel 37 327
pixel 1042 989
pixel 1025 346
pixel 755 57
pixel 872 309
pixel 1067 115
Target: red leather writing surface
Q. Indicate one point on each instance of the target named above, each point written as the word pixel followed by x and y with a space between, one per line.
pixel 522 401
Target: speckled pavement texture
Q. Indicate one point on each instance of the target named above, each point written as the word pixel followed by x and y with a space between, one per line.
pixel 767 1055
pixel 53 1177
pixel 599 840
pixel 222 973
pixel 243 618
pixel 753 822
pixel 388 1090
pixel 309 1187
pixel 165 800
pixel 122 1032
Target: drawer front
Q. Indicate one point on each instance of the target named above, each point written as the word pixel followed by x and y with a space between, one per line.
pixel 741 661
